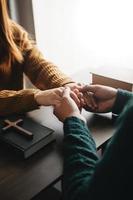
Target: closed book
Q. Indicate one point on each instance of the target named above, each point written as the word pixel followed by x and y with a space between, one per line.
pixel 113 77
pixel 26 144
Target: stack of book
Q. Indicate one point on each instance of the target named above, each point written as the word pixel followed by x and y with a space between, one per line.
pixel 113 77
pixel 24 134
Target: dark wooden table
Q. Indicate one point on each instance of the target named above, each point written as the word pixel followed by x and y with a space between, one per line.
pixel 23 179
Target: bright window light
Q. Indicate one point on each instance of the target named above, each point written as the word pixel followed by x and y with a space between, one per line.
pixel 77 34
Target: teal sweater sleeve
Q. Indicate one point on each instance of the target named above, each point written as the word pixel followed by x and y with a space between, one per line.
pixel 80 157
pixel 87 177
pixel 122 98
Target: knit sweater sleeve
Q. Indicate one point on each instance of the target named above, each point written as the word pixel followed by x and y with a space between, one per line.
pixel 80 158
pixel 42 73
pixel 122 98
pixel 16 102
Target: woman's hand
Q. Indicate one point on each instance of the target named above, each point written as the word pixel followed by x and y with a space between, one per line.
pixel 67 107
pixel 74 86
pixel 49 97
pixel 76 95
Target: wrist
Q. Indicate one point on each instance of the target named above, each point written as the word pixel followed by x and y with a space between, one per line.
pixel 77 115
pixel 37 95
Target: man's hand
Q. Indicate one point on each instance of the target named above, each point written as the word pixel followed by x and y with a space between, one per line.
pixel 67 107
pixel 76 95
pixel 102 97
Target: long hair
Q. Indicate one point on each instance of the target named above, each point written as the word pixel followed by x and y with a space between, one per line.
pixel 11 39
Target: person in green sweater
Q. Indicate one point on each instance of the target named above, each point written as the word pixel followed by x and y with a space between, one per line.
pixel 86 176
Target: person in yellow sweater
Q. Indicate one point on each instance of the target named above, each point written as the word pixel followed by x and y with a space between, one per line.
pixel 19 55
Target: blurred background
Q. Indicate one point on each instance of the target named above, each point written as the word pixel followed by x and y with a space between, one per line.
pixel 78 34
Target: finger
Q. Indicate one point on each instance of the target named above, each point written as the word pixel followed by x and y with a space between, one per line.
pixel 66 92
pixel 92 100
pixel 87 100
pixel 60 91
pixel 89 88
pixel 90 109
pixel 78 93
pixel 82 102
pixel 79 85
pixel 75 98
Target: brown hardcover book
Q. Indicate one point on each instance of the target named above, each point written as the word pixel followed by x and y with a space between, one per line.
pixel 115 77
pixel 24 134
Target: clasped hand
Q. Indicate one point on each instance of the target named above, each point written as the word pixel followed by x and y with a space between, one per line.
pixel 69 102
pixel 94 98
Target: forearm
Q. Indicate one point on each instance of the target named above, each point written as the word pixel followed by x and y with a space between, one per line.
pixel 114 171
pixel 42 73
pixel 80 158
pixel 122 98
pixel 17 101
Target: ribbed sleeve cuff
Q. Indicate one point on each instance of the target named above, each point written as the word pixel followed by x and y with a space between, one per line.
pixel 61 82
pixel 29 99
pixel 17 102
pixel 73 122
pixel 122 98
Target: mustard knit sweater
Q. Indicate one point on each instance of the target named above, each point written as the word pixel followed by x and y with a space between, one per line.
pixel 42 73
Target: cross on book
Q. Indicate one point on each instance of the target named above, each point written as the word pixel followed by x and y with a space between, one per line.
pixel 19 129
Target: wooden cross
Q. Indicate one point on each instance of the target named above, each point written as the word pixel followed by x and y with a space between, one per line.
pixel 19 129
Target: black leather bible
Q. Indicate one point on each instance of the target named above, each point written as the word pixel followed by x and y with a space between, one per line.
pixel 25 134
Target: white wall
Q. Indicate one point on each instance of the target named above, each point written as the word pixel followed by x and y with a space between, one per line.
pixel 85 33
